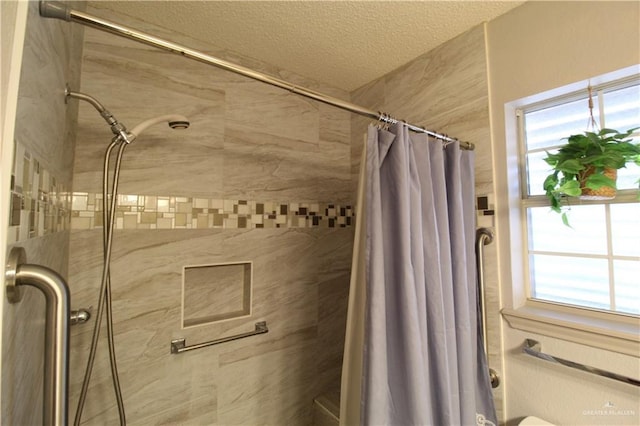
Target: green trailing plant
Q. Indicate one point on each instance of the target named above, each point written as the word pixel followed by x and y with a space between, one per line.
pixel 584 162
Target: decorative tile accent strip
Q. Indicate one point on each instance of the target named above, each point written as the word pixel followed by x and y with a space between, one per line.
pixel 39 202
pixel 158 212
pixel 485 211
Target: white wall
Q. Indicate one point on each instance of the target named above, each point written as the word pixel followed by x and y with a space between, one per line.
pixel 13 16
pixel 532 49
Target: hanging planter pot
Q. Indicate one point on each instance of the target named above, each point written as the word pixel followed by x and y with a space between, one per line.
pixel 586 166
pixel 593 191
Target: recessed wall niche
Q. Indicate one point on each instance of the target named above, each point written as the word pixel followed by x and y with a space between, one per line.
pixel 216 292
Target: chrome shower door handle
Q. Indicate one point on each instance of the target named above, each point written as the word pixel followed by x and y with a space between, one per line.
pixel 56 359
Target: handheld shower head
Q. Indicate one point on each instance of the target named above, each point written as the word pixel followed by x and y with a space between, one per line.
pixel 175 121
pixel 179 124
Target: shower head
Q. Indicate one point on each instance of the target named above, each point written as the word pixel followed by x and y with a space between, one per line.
pixel 175 121
pixel 183 124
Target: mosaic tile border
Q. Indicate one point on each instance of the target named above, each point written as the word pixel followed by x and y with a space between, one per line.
pixel 41 205
pixel 39 201
pixel 159 212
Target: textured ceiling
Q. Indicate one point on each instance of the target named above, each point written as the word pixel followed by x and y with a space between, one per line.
pixel 344 43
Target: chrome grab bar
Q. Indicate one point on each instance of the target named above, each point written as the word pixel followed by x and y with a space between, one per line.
pixel 484 236
pixel 80 316
pixel 56 359
pixel 533 348
pixel 178 346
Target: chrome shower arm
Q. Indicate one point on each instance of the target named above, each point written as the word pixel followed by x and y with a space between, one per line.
pixel 116 128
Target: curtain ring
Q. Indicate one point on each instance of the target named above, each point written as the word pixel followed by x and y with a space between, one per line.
pixel 449 141
pixel 383 120
pixel 446 141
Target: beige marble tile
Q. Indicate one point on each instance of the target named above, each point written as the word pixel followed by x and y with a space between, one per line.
pixel 273 167
pixel 134 81
pixel 288 300
pixel 333 297
pixel 268 389
pixel 335 148
pixel 440 80
pixel 334 126
pixel 146 282
pixel 255 107
pixel 44 124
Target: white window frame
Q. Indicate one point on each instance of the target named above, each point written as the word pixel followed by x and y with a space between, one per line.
pixel 607 330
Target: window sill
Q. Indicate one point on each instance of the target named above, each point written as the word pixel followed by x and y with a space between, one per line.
pixel 594 329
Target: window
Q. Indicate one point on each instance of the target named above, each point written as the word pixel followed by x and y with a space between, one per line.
pixel 595 264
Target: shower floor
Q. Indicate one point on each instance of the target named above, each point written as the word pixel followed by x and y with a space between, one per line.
pixel 326 409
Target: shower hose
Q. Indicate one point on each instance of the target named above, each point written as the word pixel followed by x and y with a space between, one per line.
pixel 109 203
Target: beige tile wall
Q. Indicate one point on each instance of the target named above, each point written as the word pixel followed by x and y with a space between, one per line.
pixel 266 379
pixel 445 90
pixel 247 142
pixel 45 137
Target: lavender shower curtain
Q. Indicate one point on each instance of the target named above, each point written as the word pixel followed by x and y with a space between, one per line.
pixel 413 352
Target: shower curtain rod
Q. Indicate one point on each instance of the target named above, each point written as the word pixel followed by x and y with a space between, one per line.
pixel 55 9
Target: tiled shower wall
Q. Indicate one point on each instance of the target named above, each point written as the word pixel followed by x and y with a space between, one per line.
pixel 261 175
pixel 39 221
pixel 446 90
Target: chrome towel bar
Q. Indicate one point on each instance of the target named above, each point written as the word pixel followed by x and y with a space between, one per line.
pixel 533 348
pixel 178 346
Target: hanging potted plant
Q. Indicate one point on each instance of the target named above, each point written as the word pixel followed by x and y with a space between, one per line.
pixel 586 166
